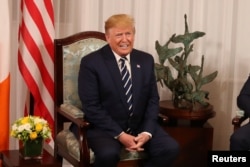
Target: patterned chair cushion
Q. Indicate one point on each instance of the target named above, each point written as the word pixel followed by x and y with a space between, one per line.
pixel 67 138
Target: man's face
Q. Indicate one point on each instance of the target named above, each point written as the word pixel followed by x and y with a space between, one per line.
pixel 121 39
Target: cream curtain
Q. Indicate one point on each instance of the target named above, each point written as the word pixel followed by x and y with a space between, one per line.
pixel 225 45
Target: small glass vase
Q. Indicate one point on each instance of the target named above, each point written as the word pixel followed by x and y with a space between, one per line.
pixel 32 149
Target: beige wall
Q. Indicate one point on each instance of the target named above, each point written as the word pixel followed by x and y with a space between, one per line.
pixel 225 44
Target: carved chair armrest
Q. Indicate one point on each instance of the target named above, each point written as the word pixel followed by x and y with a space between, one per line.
pixel 65 116
pixel 80 122
pixel 162 119
pixel 237 121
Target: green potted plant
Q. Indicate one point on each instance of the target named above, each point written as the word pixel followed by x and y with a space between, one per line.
pixel 186 86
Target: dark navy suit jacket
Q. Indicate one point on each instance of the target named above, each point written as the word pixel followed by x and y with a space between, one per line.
pixel 240 139
pixel 103 98
pixel 243 100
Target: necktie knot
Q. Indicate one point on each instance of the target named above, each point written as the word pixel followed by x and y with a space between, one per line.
pixel 122 60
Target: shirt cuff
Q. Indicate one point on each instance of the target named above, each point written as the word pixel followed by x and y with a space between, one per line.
pixel 150 135
pixel 116 137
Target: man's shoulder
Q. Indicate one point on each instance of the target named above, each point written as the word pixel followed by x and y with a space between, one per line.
pixel 140 52
pixel 142 55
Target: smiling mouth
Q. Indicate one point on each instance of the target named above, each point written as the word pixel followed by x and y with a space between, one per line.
pixel 124 46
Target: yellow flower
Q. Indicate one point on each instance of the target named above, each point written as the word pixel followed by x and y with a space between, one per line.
pixel 33 135
pixel 39 127
pixel 12 133
pixel 25 120
pixel 30 128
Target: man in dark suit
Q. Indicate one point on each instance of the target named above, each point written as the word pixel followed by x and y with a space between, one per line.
pixel 240 139
pixel 114 122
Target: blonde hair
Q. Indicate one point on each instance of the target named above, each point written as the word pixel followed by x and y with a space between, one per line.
pixel 119 20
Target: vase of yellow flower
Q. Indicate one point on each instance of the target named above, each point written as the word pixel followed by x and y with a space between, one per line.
pixel 32 131
pixel 32 149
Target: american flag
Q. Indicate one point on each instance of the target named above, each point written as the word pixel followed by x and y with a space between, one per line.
pixel 36 54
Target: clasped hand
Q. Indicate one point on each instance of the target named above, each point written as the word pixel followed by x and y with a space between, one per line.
pixel 134 143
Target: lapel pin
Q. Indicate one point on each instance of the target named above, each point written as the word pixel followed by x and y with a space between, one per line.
pixel 138 66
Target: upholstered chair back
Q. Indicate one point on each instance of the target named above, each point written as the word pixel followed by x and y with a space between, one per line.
pixel 72 55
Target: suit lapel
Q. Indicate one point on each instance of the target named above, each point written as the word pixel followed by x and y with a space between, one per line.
pixel 116 76
pixel 114 72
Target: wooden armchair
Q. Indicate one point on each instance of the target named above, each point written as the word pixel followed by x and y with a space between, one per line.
pixel 239 119
pixel 68 53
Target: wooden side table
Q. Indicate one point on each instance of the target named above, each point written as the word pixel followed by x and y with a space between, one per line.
pixel 191 130
pixel 197 116
pixel 12 158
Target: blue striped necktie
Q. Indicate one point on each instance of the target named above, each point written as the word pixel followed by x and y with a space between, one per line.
pixel 127 83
